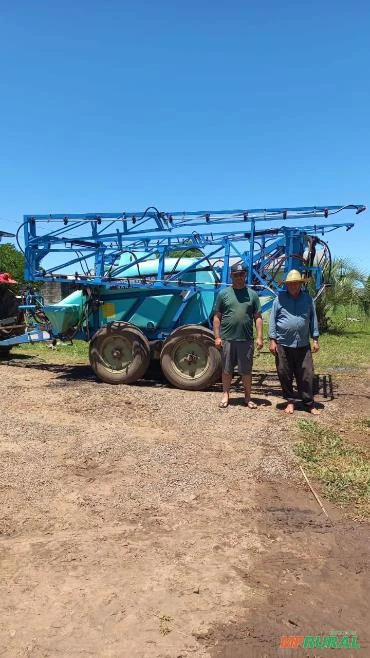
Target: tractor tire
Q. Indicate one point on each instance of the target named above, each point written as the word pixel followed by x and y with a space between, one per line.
pixel 119 353
pixel 189 358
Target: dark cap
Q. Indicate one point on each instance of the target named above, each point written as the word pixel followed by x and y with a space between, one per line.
pixel 238 267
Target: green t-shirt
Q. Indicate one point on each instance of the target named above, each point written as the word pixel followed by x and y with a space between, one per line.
pixel 237 308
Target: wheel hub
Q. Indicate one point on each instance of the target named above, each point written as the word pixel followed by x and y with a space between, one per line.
pixel 116 352
pixel 191 358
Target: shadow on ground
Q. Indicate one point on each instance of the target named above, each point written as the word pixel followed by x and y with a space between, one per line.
pixel 263 383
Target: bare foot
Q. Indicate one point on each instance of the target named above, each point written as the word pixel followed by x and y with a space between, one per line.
pixel 289 409
pixel 314 411
pixel 224 402
pixel 250 404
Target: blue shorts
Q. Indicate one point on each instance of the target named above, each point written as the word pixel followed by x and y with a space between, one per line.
pixel 237 352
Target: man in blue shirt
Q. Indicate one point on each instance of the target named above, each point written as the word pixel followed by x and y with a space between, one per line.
pixel 292 322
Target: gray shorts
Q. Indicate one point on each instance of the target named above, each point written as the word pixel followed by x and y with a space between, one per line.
pixel 237 352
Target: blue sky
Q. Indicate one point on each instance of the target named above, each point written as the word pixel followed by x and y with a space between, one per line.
pixel 116 105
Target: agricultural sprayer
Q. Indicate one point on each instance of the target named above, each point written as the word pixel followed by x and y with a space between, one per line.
pixel 146 281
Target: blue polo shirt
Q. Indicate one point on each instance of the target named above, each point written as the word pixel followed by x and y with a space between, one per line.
pixel 293 320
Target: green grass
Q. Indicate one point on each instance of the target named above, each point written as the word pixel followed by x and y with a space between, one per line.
pixel 343 468
pixel 349 349
pixel 68 353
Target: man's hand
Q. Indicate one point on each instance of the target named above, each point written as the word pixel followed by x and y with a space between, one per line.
pixel 218 342
pixel 259 343
pixel 315 346
pixel 273 346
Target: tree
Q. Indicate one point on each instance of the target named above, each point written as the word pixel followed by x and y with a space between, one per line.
pixel 365 297
pixel 346 287
pixel 12 261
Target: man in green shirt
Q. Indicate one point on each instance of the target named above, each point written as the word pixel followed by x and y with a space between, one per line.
pixel 235 310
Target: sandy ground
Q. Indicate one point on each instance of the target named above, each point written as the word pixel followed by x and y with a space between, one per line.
pixel 143 522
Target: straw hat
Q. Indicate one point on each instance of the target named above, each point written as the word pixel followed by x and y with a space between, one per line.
pixel 294 276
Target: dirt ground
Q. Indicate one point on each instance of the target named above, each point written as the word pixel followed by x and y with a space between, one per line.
pixel 143 522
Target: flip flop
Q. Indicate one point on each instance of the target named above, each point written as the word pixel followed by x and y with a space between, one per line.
pixel 250 405
pixel 223 404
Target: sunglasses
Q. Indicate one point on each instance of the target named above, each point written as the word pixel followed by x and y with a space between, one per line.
pixel 238 274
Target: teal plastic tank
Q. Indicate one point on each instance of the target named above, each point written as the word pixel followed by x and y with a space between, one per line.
pixel 151 309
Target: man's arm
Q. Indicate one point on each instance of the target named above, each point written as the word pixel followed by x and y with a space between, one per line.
pixel 259 329
pixel 272 328
pixel 314 328
pixel 217 317
pixel 258 321
pixel 216 328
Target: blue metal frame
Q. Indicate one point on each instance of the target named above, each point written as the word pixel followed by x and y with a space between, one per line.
pixel 153 231
pixel 31 336
pixel 96 241
pixel 5 234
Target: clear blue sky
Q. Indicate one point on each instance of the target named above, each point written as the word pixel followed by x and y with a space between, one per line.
pixel 116 105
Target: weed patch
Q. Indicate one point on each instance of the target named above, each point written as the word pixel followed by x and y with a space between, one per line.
pixel 343 468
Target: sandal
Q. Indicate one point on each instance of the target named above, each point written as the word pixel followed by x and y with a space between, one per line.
pixel 250 404
pixel 223 404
